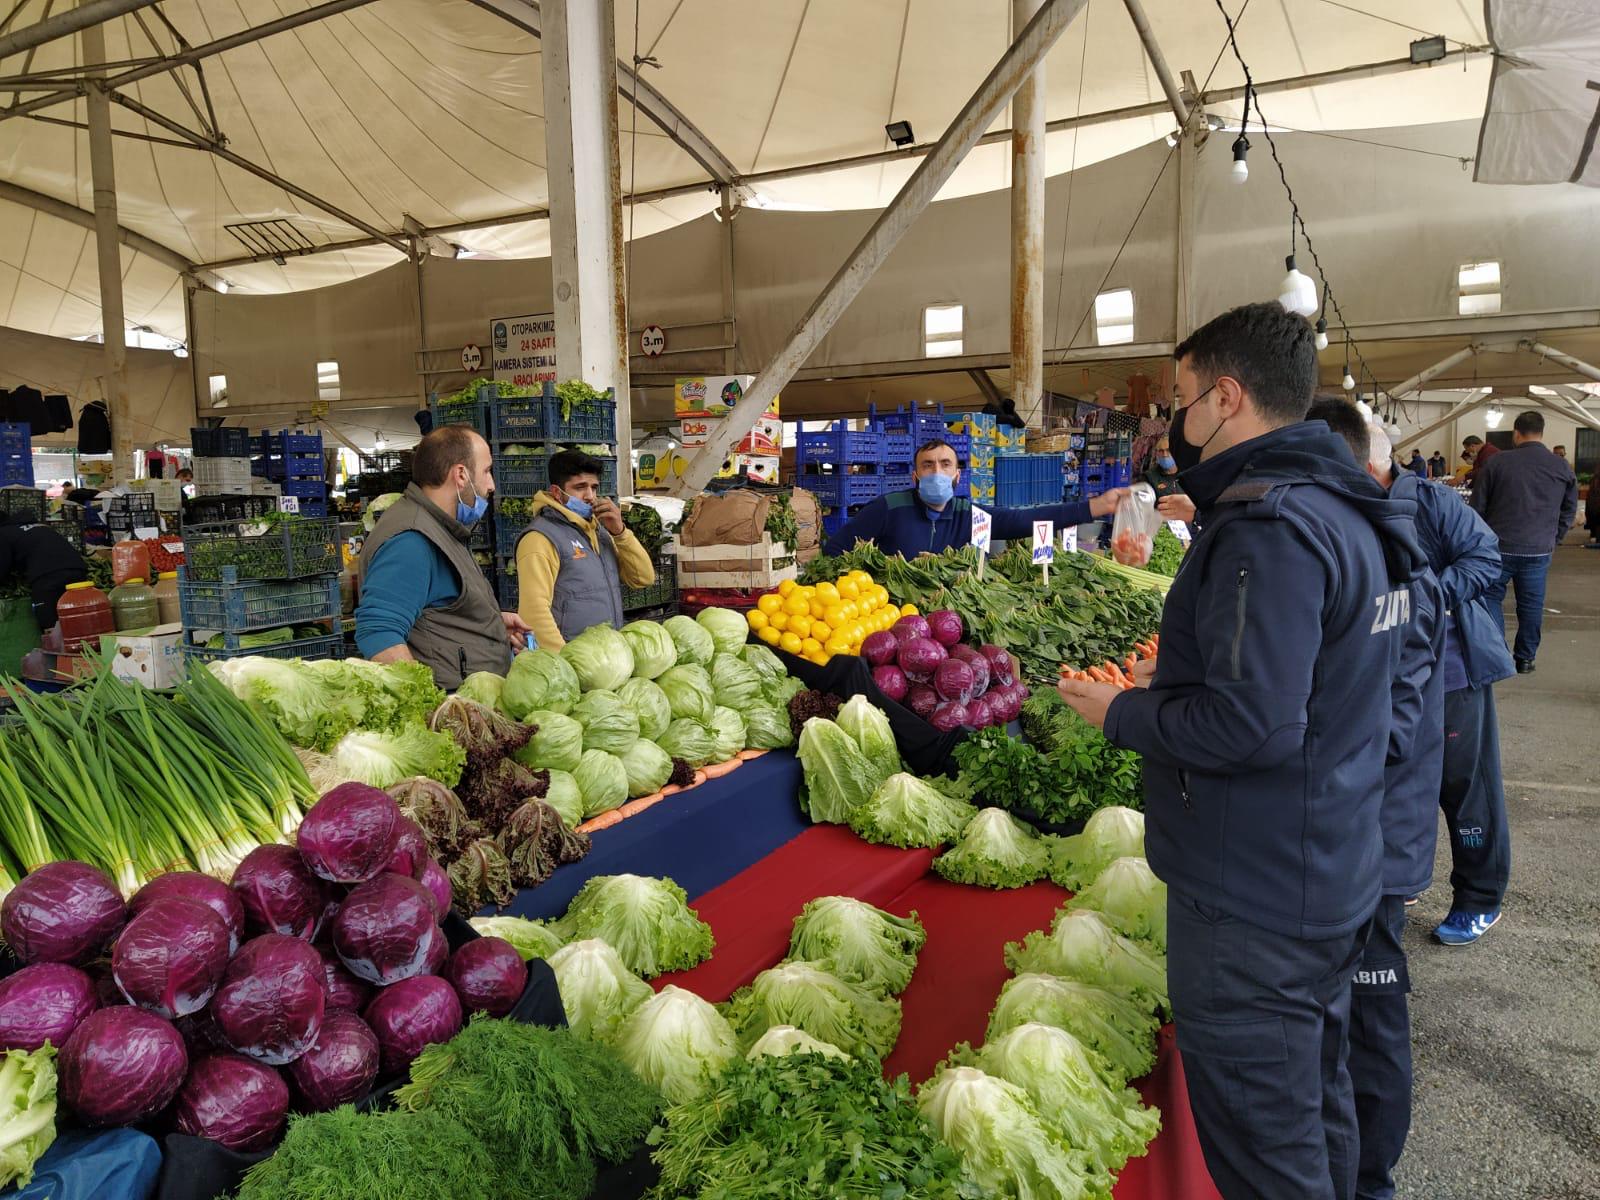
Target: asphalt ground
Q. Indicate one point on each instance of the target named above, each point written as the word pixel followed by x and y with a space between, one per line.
pixel 1506 1032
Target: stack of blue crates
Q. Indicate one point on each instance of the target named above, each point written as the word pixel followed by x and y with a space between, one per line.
pixel 907 428
pixel 293 460
pixel 1023 480
pixel 843 468
pixel 16 454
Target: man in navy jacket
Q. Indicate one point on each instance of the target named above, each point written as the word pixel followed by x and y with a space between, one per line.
pixel 1264 733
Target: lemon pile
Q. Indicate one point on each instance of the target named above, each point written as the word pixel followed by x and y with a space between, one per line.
pixel 831 618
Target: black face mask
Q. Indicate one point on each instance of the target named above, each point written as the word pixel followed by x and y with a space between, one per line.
pixel 1184 452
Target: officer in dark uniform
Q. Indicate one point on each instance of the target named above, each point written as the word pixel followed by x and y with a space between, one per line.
pixel 1264 732
pixel 46 561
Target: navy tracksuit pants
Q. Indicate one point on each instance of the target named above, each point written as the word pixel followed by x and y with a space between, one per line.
pixel 1263 1023
pixel 1474 801
pixel 1380 1051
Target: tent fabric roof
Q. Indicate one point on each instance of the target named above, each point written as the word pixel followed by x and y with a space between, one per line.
pixel 431 109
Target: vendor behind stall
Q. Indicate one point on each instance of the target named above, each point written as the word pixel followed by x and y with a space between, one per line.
pixel 927 518
pixel 1163 472
pixel 423 596
pixel 45 560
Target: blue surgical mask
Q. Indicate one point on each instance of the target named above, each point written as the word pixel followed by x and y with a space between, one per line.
pixel 471 514
pixel 579 507
pixel 937 488
pixel 1167 463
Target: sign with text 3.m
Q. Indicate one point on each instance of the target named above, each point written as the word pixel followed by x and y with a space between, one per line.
pixel 1044 546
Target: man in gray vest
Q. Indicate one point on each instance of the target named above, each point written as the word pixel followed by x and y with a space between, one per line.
pixel 423 597
pixel 576 555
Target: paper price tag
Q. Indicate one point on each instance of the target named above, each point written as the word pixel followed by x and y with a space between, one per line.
pixel 1044 549
pixel 289 504
pixel 982 528
pixel 143 532
pixel 1069 539
pixel 1180 530
pixel 172 547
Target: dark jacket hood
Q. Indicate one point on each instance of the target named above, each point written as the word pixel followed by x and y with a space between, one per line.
pixel 1309 454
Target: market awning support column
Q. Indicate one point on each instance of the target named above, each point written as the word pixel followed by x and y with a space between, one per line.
pixel 579 64
pixel 1025 53
pixel 1416 382
pixel 1571 402
pixel 102 167
pixel 1027 233
pixel 1471 404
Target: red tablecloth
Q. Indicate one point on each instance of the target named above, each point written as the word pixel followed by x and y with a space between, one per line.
pixel 959 972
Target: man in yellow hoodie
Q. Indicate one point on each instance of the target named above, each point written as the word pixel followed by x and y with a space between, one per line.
pixel 576 555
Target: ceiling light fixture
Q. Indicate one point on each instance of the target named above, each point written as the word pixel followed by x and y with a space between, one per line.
pixel 1322 333
pixel 180 351
pixel 1495 415
pixel 900 133
pixel 223 286
pixel 1427 50
pixel 1241 168
pixel 1297 293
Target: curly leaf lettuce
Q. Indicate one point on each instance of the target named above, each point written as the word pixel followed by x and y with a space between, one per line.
pixel 858 942
pixel 869 725
pixel 1129 896
pixel 909 812
pixel 647 921
pixel 1115 1023
pixel 786 1039
pixel 804 995
pixel 1009 1147
pixel 1109 834
pixel 1082 945
pixel 597 989
pixel 996 850
pixel 530 939
pixel 27 1111
pixel 676 1042
pixel 382 760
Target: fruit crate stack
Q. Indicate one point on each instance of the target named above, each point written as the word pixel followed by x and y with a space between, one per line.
pixel 659 595
pixel 1024 480
pixel 16 454
pixel 908 428
pixel 221 461
pixel 292 460
pixel 842 467
pixel 22 504
pixel 127 514
pixel 982 431
pixel 254 576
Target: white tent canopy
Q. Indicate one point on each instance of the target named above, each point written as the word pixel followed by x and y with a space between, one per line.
pixel 425 115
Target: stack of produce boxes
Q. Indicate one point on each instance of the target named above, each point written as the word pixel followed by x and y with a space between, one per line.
pixel 16 454
pixel 221 461
pixel 265 585
pixel 983 432
pixel 842 468
pixel 293 462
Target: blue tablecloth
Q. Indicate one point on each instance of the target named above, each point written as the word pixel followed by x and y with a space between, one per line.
pixel 111 1164
pixel 700 838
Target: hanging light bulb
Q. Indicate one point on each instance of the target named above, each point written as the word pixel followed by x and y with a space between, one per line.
pixel 180 351
pixel 1348 383
pixel 1322 333
pixel 1495 414
pixel 1297 293
pixel 380 441
pixel 1241 168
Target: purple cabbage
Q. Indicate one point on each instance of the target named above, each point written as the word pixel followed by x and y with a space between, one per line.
pixel 907 628
pixel 891 681
pixel 279 893
pixel 43 1003
pixel 945 627
pixel 170 958
pixel 919 657
pixel 411 850
pixel 410 1016
pixel 951 714
pixel 1002 669
pixel 383 929
pixel 879 648
pixel 980 713
pixel 344 990
pixel 192 885
pixel 120 1066
pixel 272 999
pixel 438 952
pixel 200 1036
pixel 349 834
pixel 62 912
pixel 980 668
pixel 922 700
pixel 488 975
pixel 953 680
pixel 438 884
pixel 340 1067
pixel 232 1100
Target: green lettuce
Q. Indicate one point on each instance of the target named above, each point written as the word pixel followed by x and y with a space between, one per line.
pixel 557 743
pixel 531 939
pixel 597 989
pixel 608 723
pixel 766 727
pixel 693 741
pixel 539 679
pixel 1082 945
pixel 869 725
pixel 382 760
pixel 648 767
pixel 1110 833
pixel 391 694
pixel 676 1042
pixel 1130 897
pixel 28 1102
pixel 483 686
pixel 734 684
pixel 308 707
pixel 803 994
pixel 996 850
pixel 689 692
pixel 600 657
pixel 727 733
pixel 906 811
pixel 858 942
pixel 779 692
pixel 649 704
pixel 728 629
pixel 1009 1147
pixel 648 921
pixel 1114 1022
pixel 653 648
pixel 782 1040
pixel 695 645
pixel 603 781
pixel 565 796
pixel 838 779
pixel 764 662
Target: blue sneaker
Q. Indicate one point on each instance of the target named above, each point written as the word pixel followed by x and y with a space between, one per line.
pixel 1462 928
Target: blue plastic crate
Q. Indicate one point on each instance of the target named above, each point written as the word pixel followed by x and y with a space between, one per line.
pixel 519 419
pixel 306 489
pixel 288 549
pixel 507 534
pixel 313 508
pixel 508 593
pixel 592 422
pixel 837 447
pixel 521 474
pixel 896 449
pixel 608 476
pixel 468 412
pixel 222 442
pixel 294 466
pixel 961 443
pixel 234 605
pixel 840 489
pixel 16 468
pixel 487 392
pixel 328 646
pixel 833 522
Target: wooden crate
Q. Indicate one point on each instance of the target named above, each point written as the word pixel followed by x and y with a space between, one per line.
pixel 750 566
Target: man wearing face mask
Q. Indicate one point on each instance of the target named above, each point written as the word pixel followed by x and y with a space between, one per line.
pixel 423 597
pixel 927 518
pixel 1264 731
pixel 576 555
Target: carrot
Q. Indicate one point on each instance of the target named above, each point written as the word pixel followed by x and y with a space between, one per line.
pixel 604 821
pixel 633 807
pixel 1098 676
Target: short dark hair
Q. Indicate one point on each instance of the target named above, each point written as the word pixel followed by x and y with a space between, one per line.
pixel 565 465
pixel 1271 352
pixel 933 444
pixel 1528 422
pixel 446 448
pixel 1346 420
pixel 1472 439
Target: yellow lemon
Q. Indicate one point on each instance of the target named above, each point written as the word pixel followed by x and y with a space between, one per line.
pixel 810 646
pixel 800 626
pixel 837 644
pixel 821 630
pixel 820 658
pixel 880 594
pixel 778 620
pixel 770 603
pixel 816 609
pixel 787 586
pixel 851 610
pixel 757 619
pixel 858 633
pixel 790 643
pixel 849 589
pixel 827 593
pixel 908 610
pixel 770 636
pixel 796 603
pixel 835 615
pixel 806 590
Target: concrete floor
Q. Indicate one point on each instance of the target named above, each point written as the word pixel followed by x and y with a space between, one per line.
pixel 1506 1033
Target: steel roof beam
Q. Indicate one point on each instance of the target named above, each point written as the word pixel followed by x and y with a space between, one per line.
pixel 63 211
pixel 92 12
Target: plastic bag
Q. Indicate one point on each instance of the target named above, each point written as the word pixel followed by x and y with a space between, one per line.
pixel 1134 528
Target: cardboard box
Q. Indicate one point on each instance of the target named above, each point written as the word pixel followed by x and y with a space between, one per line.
pixel 766 437
pixel 712 395
pixel 151 657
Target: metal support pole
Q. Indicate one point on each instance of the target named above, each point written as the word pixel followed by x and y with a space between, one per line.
pixel 1169 84
pixel 85 16
pixel 1183 295
pixel 725 209
pixel 1566 360
pixel 1573 404
pixel 1471 404
pixel 418 257
pixel 113 326
pixel 1025 53
pixel 1416 382
pixel 587 264
pixel 1027 233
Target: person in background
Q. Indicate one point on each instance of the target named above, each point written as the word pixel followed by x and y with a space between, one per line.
pixel 1529 497
pixel 1438 465
pixel 423 596
pixel 1163 471
pixel 1476 452
pixel 185 477
pixel 1264 731
pixel 576 555
pixel 1417 464
pixel 1380 1025
pixel 1560 452
pixel 928 518
pixel 46 561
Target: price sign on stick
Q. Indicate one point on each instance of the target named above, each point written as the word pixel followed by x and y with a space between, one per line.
pixel 982 535
pixel 1180 530
pixel 1069 539
pixel 1044 546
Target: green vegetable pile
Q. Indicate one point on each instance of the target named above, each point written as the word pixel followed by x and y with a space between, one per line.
pixel 645 522
pixel 1167 555
pixel 27 1111
pixel 469 393
pixel 1090 765
pixel 273 546
pixel 575 393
